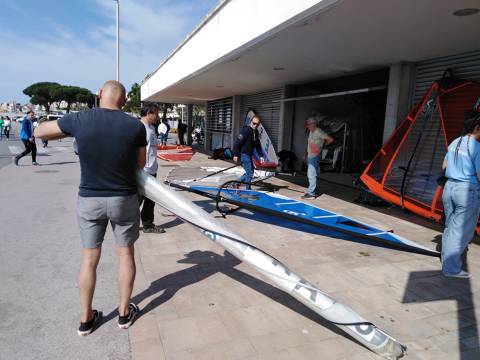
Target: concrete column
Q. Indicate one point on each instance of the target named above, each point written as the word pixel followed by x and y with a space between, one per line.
pixel 208 136
pixel 400 84
pixel 189 123
pixel 287 113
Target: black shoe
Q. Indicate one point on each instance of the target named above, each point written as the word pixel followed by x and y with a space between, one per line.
pixel 87 327
pixel 153 230
pixel 308 196
pixel 124 322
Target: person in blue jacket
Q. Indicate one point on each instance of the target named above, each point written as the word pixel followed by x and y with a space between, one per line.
pixel 460 196
pixel 247 141
pixel 26 135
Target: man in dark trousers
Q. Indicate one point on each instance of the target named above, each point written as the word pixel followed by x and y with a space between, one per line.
pixel 26 135
pixel 181 130
pixel 149 117
pixel 247 140
pixel 111 148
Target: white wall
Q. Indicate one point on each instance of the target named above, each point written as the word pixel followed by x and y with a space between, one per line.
pixel 236 24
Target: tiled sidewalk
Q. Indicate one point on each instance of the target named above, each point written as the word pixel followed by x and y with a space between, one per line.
pixel 201 303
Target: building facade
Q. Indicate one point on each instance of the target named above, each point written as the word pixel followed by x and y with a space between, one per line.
pixel 357 65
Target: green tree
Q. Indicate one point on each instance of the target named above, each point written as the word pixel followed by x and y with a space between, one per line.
pixel 164 108
pixel 74 95
pixel 85 96
pixel 133 102
pixel 42 93
pixel 67 94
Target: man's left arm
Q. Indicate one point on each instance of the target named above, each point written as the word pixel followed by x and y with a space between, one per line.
pixel 49 130
pixel 329 140
pixel 258 147
pixel 141 157
pixel 326 138
pixel 142 146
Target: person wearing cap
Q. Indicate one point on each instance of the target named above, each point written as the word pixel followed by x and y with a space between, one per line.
pixel 317 138
pixel 247 141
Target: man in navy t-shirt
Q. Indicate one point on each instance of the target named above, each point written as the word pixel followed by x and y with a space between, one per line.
pixel 111 147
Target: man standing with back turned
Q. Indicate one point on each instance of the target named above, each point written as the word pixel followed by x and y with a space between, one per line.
pixel 111 147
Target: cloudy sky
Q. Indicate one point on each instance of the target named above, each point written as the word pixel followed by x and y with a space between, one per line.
pixel 72 42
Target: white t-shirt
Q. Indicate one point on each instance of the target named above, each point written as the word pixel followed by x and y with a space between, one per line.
pixel 316 139
pixel 162 128
pixel 151 164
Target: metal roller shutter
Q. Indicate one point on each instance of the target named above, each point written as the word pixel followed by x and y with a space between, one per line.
pixel 219 121
pixel 466 65
pixel 268 111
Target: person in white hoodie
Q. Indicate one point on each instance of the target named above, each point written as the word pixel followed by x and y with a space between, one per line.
pixel 163 132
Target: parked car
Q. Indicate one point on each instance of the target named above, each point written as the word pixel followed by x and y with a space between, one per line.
pixel 54 116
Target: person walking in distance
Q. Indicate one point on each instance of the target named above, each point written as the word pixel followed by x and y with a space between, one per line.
pixel 316 139
pixel 2 122
pixel 26 135
pixel 7 125
pixel 149 117
pixel 181 130
pixel 247 141
pixel 44 142
pixel 163 132
pixel 111 148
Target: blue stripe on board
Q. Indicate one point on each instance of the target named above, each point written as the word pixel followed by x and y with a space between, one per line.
pixel 296 209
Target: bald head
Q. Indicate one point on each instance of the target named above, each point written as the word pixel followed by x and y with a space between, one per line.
pixel 112 95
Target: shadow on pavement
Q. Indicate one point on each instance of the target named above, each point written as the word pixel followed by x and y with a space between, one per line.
pixel 427 286
pixel 206 264
pixel 60 163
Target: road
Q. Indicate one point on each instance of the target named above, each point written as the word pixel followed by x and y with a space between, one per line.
pixel 39 262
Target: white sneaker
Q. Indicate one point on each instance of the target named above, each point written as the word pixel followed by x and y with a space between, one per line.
pixel 461 275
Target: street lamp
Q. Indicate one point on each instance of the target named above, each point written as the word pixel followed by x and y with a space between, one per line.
pixel 117 48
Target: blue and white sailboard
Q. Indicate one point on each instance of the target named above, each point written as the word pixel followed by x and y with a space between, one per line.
pixel 269 154
pixel 295 210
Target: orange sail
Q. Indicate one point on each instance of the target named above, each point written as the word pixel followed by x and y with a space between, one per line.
pixel 405 170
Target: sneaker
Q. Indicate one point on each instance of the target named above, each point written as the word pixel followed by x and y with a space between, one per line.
pixel 35 163
pixel 308 196
pixel 87 327
pixel 153 230
pixel 461 275
pixel 124 322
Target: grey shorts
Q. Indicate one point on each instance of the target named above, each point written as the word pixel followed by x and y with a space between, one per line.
pixel 94 213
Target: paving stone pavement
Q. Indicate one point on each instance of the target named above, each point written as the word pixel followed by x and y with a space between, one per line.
pixel 199 302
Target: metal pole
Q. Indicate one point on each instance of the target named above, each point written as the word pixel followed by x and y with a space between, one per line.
pixel 344 147
pixel 117 47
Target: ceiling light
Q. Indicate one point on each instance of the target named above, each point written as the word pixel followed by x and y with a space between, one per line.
pixel 466 12
pixel 278 68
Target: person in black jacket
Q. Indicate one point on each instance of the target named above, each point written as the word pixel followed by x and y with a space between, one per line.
pixel 247 140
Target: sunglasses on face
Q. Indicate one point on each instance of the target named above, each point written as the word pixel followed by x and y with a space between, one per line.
pixel 255 123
